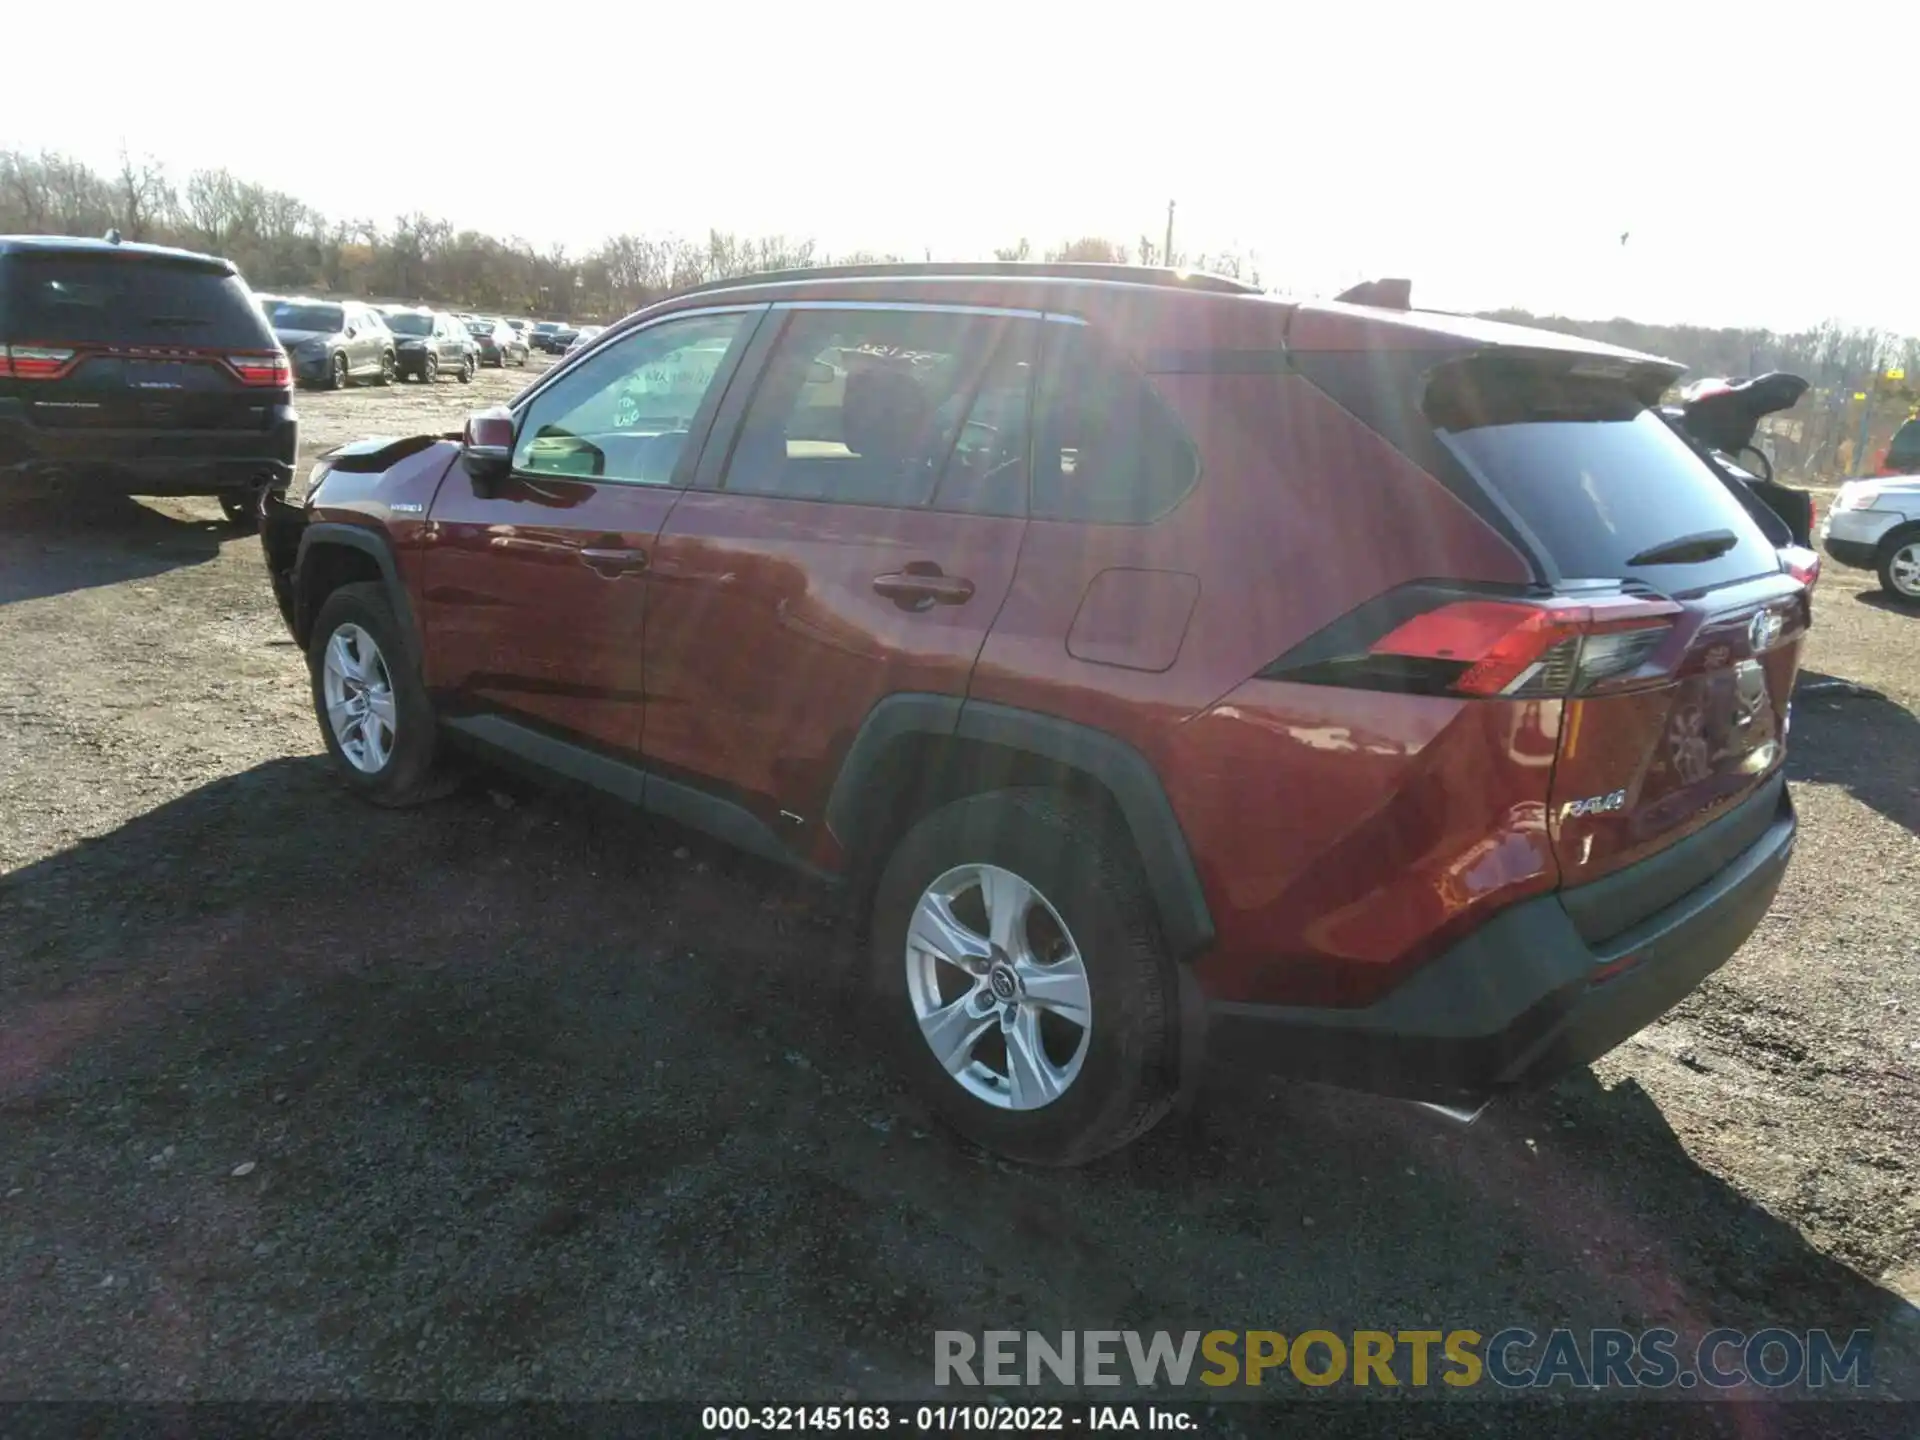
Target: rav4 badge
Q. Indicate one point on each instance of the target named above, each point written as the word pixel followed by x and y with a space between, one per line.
pixel 1596 804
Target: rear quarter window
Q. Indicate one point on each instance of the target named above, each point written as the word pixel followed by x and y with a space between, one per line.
pixel 89 299
pixel 1592 473
pixel 1107 449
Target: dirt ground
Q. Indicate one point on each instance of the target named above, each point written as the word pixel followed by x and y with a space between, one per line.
pixel 504 1097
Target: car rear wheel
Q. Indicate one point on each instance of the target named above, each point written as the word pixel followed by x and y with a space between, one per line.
pixel 1022 980
pixel 1900 567
pixel 371 703
pixel 429 370
pixel 467 368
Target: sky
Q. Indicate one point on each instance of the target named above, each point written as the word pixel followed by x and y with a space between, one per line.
pixel 1494 153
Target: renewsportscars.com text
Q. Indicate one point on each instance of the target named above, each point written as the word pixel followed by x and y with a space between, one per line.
pixel 1512 1358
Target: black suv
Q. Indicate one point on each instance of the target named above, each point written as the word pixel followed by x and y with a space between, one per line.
pixel 138 369
pixel 428 344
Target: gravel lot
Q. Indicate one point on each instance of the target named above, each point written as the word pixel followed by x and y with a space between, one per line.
pixel 507 1098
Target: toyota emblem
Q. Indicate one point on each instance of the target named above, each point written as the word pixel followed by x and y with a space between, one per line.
pixel 1764 630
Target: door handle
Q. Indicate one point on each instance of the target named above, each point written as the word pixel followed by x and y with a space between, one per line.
pixel 613 562
pixel 921 586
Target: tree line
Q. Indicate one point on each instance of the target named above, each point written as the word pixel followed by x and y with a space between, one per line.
pixel 283 244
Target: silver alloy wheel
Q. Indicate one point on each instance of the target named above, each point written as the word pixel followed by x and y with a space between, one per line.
pixel 999 987
pixel 360 702
pixel 1904 569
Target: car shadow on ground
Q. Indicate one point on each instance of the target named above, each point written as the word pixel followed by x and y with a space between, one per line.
pixel 504 1097
pixel 53 545
pixel 1860 740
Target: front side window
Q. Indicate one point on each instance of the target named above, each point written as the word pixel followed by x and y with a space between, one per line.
pixel 891 407
pixel 626 413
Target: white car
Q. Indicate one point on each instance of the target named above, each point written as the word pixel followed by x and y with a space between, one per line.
pixel 584 338
pixel 1875 525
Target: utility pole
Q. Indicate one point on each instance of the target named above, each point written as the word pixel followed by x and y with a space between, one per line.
pixel 1859 466
pixel 1166 255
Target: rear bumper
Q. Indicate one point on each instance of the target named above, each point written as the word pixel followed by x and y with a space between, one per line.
pixel 1525 998
pixel 149 462
pixel 1860 554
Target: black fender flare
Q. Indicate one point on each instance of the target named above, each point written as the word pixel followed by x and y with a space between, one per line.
pixel 367 542
pixel 1126 774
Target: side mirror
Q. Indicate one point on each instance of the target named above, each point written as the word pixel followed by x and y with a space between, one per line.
pixel 487 448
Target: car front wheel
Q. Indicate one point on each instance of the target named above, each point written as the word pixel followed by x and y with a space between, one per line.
pixel 1020 974
pixel 429 370
pixel 337 376
pixel 466 371
pixel 374 714
pixel 1900 568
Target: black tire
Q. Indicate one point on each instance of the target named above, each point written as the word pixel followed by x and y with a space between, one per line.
pixel 412 773
pixel 467 367
pixel 242 509
pixel 388 368
pixel 338 377
pixel 1068 851
pixel 1900 540
pixel 429 369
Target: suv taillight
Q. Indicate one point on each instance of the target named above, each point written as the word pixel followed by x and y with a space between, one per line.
pixel 266 369
pixel 35 362
pixel 1472 646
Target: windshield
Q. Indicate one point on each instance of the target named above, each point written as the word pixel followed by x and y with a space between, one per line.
pixel 410 324
pixel 480 327
pixel 328 319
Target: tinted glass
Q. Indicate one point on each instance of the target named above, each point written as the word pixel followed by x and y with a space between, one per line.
pixel 625 413
pixel 866 406
pixel 83 298
pixel 1593 473
pixel 326 319
pixel 1106 447
pixel 410 324
pixel 1905 449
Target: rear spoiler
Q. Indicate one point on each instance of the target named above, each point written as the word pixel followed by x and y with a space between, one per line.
pixel 1385 294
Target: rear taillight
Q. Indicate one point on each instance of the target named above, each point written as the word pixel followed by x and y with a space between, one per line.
pixel 36 362
pixel 1801 563
pixel 1457 645
pixel 266 369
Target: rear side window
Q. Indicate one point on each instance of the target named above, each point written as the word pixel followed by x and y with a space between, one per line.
pixel 1106 447
pixel 101 299
pixel 1593 473
pixel 1905 449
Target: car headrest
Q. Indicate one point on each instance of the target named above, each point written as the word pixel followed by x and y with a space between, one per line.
pixel 884 415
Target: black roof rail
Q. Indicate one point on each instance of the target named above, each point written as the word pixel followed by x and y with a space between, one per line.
pixel 991 269
pixel 1386 294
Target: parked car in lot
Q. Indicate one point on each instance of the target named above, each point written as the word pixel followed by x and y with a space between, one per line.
pixel 498 344
pixel 1902 456
pixel 584 336
pixel 139 370
pixel 1875 525
pixel 1157 668
pixel 430 344
pixel 332 344
pixel 556 340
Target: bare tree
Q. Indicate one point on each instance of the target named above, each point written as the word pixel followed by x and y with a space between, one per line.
pixel 146 199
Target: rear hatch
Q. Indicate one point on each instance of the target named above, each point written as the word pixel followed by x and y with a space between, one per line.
pixel 1678 634
pixel 135 342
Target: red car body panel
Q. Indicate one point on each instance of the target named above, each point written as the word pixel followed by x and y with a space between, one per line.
pixel 767 643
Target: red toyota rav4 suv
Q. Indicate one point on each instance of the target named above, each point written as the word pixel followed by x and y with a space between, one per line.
pixel 1161 667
